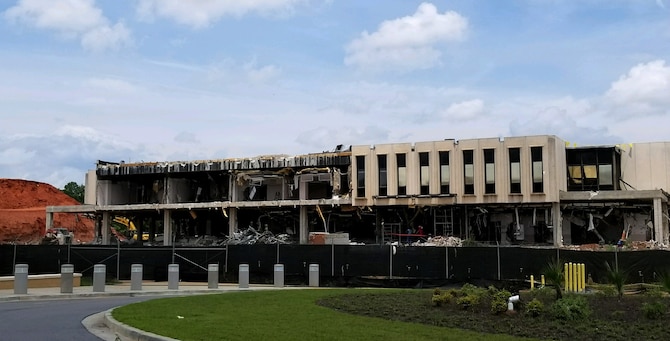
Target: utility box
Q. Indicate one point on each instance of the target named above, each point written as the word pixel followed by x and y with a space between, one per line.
pixel 244 276
pixel 99 277
pixel 66 278
pixel 136 271
pixel 279 275
pixel 21 279
pixel 173 276
pixel 314 275
pixel 212 276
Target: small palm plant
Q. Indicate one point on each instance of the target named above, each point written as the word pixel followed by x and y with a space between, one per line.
pixel 665 281
pixel 617 277
pixel 555 276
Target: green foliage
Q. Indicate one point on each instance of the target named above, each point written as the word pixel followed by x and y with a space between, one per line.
pixel 534 308
pixel 665 281
pixel 570 308
pixel 617 277
pixel 654 310
pixel 437 291
pixel 499 301
pixel 75 191
pixel 470 289
pixel 441 299
pixel 468 301
pixel 554 276
pixel 607 291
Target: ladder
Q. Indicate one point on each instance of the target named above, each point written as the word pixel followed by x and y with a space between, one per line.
pixel 443 220
pixel 387 231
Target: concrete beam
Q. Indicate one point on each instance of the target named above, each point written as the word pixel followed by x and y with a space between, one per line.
pixel 71 209
pixel 596 196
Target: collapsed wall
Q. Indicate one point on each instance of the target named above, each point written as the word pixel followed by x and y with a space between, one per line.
pixel 23 212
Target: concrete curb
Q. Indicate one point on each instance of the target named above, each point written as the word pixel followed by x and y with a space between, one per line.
pixel 34 297
pixel 125 331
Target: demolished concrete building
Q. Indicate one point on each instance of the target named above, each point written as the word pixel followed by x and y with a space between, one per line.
pixel 530 190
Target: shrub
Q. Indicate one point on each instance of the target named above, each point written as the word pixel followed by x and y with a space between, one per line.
pixel 554 275
pixel 608 291
pixel 534 308
pixel 499 301
pixel 468 301
pixel 441 299
pixel 616 277
pixel 437 292
pixel 570 308
pixel 665 280
pixel 653 311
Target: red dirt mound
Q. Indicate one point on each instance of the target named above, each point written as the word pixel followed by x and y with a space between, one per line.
pixel 23 212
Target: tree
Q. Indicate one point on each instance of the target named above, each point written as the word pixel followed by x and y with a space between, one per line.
pixel 74 190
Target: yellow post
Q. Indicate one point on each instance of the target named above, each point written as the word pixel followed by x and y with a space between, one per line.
pixel 574 276
pixel 578 269
pixel 583 277
pixel 566 275
pixel 542 279
pixel 532 282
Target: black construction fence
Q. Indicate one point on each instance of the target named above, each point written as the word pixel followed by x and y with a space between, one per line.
pixel 339 265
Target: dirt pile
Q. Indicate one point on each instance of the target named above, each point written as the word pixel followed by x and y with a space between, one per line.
pixel 23 212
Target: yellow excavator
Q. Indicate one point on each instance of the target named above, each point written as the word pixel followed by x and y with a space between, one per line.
pixel 128 226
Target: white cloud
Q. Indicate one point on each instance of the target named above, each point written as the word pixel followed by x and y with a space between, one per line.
pixel 72 19
pixel 465 111
pixel 407 43
pixel 112 84
pixel 199 14
pixel 645 89
pixel 186 137
pixel 261 74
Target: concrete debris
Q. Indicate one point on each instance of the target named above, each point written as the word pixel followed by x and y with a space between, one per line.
pixel 251 236
pixel 441 241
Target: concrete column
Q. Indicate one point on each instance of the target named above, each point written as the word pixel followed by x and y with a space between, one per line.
pixel 167 227
pixel 557 223
pixel 303 230
pixel 106 224
pixel 50 220
pixel 666 223
pixel 658 221
pixel 232 220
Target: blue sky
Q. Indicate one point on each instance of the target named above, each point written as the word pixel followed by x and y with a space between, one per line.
pixel 169 80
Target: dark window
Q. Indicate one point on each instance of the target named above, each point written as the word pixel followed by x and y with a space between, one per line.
pixel 515 170
pixel 489 171
pixel 402 174
pixel 445 173
pixel 537 168
pixel 424 173
pixel 381 163
pixel 360 175
pixel 469 172
pixel 591 169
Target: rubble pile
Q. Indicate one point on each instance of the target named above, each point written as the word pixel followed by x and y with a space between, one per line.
pixel 441 241
pixel 250 236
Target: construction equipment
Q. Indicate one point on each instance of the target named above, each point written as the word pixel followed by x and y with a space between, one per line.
pixel 127 227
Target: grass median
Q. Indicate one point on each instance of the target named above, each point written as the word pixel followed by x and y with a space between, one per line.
pixel 275 315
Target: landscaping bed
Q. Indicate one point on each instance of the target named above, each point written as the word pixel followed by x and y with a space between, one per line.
pixel 583 316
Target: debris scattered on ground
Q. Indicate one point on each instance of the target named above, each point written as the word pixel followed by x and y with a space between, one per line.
pixel 251 236
pixel 440 241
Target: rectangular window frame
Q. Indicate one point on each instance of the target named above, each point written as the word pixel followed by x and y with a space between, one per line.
pixel 468 172
pixel 537 169
pixel 424 173
pixel 445 172
pixel 382 175
pixel 515 170
pixel 401 164
pixel 489 171
pixel 360 176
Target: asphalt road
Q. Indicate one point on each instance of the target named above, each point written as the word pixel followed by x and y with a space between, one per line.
pixel 54 320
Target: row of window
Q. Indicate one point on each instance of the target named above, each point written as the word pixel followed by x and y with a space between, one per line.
pixel 445 172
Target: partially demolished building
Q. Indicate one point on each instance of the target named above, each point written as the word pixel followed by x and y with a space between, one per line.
pixel 535 190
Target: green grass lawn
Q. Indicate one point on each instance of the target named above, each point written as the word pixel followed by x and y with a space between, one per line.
pixel 275 315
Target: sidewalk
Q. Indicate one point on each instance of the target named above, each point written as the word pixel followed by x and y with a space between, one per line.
pixel 149 288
